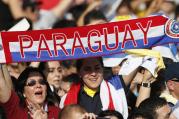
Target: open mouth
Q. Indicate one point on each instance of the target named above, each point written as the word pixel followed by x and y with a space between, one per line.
pixel 38 93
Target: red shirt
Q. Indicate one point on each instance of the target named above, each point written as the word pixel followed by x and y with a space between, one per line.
pixel 48 4
pixel 14 111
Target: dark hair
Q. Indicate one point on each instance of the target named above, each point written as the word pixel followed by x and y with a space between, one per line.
pixel 64 24
pixel 77 10
pixel 21 82
pixel 79 63
pixel 140 114
pixel 110 113
pixel 150 105
pixel 94 15
pixel 158 86
pixel 30 3
pixel 71 78
pixel 125 3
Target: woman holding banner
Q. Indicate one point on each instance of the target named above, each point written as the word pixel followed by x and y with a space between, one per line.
pixel 94 93
pixel 33 101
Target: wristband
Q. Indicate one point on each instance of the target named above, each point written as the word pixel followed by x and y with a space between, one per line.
pixel 147 85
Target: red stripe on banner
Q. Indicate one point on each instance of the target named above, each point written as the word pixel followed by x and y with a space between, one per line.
pixel 5 42
pixel 84 30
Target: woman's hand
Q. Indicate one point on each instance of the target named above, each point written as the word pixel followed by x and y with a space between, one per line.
pixel 36 112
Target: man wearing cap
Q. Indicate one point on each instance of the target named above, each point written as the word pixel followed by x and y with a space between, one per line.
pixel 171 76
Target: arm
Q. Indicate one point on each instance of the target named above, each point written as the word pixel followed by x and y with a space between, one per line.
pixel 5 90
pixel 60 9
pixel 16 8
pixel 7 77
pixel 90 7
pixel 144 92
pixel 128 78
pixel 154 7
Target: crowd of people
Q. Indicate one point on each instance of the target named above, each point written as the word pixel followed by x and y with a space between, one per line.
pixel 86 88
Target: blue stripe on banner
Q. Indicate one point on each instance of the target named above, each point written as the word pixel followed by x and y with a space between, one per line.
pixel 116 82
pixel 32 55
pixel 121 55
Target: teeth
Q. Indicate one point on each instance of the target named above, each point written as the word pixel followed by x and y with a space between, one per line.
pixel 38 93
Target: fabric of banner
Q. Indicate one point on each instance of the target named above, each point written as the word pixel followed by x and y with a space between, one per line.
pixel 86 41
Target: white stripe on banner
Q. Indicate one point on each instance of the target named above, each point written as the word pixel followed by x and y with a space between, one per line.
pixel 138 35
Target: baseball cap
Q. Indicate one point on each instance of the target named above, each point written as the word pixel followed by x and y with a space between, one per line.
pixel 31 3
pixel 172 71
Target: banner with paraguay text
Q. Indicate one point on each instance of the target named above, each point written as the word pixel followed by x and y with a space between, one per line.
pixel 87 41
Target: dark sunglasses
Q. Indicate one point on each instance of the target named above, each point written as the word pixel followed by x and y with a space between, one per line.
pixel 33 82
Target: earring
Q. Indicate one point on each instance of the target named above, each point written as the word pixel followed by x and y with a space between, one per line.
pixel 24 95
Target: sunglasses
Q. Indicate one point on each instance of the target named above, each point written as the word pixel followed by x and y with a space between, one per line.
pixel 33 82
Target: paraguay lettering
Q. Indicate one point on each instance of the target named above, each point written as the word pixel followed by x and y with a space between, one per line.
pixel 94 41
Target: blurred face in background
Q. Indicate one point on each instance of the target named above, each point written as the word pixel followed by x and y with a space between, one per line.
pixel 54 73
pixel 167 7
pixel 64 88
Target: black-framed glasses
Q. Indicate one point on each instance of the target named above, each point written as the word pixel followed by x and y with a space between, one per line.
pixel 33 82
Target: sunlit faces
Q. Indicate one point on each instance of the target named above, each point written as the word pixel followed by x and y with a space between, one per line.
pixel 35 90
pixel 54 73
pixel 91 73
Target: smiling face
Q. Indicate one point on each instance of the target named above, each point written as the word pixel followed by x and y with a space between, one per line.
pixel 35 90
pixel 91 73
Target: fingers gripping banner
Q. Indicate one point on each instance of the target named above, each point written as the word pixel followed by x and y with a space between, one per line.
pixel 87 41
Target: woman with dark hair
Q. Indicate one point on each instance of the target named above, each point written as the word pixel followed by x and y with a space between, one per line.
pixel 33 101
pixel 93 92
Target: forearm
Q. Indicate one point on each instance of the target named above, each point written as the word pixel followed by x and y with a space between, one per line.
pixel 5 91
pixel 7 76
pixel 144 93
pixel 62 7
pixel 16 8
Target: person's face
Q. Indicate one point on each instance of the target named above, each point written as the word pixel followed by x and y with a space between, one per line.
pixel 124 10
pixel 54 73
pixel 64 88
pixel 173 87
pixel 35 90
pixel 176 89
pixel 164 112
pixel 91 73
